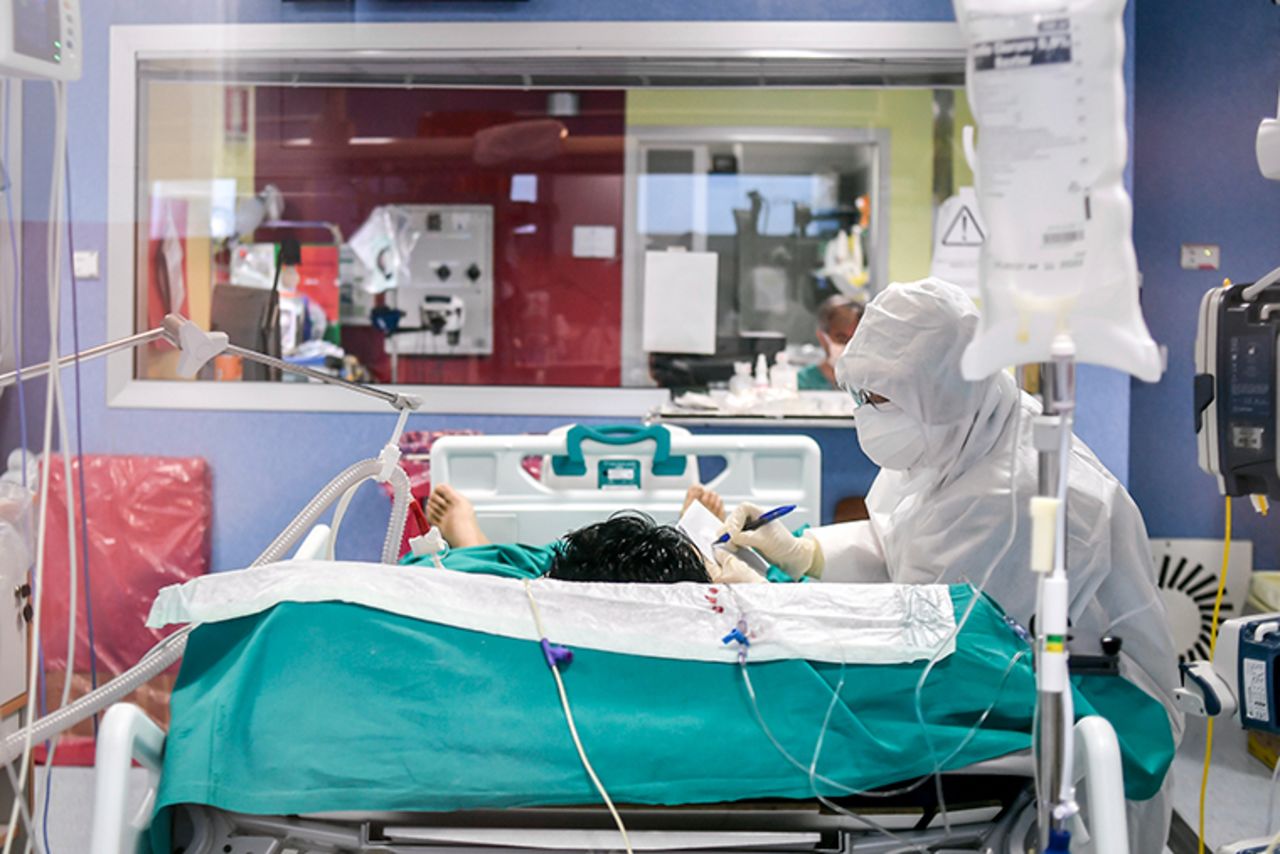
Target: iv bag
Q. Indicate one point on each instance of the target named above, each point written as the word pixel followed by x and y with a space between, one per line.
pixel 1045 80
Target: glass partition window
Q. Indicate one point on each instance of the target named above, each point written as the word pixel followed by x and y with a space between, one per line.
pixel 504 235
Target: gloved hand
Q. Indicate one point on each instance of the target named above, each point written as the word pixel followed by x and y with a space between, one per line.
pixel 796 556
pixel 729 569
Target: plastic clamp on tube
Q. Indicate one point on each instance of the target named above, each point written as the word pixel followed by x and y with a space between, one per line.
pixel 739 636
pixel 558 657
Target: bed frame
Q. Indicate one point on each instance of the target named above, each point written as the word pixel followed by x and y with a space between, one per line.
pixel 989 806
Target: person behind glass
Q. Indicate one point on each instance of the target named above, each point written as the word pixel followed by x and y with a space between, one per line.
pixel 838 318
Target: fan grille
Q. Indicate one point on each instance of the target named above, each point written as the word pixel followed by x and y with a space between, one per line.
pixel 1185 579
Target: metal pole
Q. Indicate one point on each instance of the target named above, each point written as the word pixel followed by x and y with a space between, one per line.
pixel 399 401
pixel 34 371
pixel 1049 738
pixel 1057 380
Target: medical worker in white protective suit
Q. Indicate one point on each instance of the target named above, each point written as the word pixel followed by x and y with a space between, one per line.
pixel 940 509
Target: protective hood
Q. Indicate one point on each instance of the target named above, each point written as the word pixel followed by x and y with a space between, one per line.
pixel 908 348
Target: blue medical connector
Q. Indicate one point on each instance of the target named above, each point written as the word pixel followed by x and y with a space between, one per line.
pixel 738 635
pixel 557 656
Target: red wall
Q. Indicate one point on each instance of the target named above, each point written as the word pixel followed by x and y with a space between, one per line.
pixel 557 319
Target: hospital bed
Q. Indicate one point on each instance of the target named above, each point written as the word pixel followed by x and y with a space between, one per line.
pixel 988 802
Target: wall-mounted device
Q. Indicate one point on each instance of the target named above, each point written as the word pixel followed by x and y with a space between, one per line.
pixel 40 39
pixel 450 288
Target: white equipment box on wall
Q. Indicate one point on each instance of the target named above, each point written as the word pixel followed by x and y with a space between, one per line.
pixel 40 39
pixel 450 292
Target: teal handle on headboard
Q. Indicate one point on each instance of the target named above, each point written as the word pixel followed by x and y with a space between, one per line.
pixel 572 463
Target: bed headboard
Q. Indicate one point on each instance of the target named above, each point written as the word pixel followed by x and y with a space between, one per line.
pixel 600 470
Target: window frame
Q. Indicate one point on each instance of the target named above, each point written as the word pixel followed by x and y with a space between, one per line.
pixel 908 42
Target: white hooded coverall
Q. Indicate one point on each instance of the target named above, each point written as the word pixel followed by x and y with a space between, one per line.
pixel 947 518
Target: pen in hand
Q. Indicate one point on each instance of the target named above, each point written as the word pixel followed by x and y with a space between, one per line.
pixel 763 519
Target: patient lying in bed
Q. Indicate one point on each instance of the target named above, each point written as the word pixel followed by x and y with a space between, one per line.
pixel 627 547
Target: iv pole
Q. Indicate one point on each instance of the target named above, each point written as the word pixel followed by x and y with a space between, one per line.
pixel 1052 432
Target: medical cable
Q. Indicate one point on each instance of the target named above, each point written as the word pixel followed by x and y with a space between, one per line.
pixel 84 501
pixel 786 754
pixel 53 399
pixel 741 635
pixel 52 746
pixel 19 294
pixel 18 337
pixel 64 441
pixel 169 650
pixel 58 216
pixel 969 736
pixel 1213 646
pixel 973 603
pixel 553 664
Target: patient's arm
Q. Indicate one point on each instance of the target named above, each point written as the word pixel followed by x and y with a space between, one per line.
pixel 455 516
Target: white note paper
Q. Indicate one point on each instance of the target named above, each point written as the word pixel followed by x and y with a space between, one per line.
pixel 701 525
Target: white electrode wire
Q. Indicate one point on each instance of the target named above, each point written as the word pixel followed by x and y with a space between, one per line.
pixel 60 407
pixel 53 246
pixel 64 442
pixel 573 729
pixel 1275 843
pixel 786 754
pixel 902 790
pixel 973 603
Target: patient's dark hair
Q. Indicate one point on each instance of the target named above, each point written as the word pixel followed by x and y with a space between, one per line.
pixel 628 546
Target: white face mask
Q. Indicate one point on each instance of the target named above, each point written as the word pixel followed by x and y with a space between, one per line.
pixel 891 438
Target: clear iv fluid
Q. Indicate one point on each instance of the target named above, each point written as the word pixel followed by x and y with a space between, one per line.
pixel 1045 79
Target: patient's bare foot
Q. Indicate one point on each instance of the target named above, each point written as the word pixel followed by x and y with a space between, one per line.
pixel 451 512
pixel 707 497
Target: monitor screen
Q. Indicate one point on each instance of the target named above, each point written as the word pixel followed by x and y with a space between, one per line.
pixel 35 29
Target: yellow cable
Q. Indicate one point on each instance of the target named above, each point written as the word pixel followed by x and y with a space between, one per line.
pixel 1213 646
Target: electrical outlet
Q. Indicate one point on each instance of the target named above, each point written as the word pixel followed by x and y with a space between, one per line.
pixel 1201 256
pixel 85 264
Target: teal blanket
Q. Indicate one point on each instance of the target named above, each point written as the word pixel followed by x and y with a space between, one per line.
pixel 331 707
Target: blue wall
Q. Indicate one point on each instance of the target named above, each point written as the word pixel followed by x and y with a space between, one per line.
pixel 266 465
pixel 1206 74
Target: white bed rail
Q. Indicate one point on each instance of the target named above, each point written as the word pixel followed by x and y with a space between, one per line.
pixel 638 468
pixel 1097 764
pixel 127 734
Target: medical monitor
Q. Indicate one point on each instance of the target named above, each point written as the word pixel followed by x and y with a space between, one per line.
pixel 40 39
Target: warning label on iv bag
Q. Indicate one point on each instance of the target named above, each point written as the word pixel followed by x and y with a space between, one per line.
pixel 1051 45
pixel 964 229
